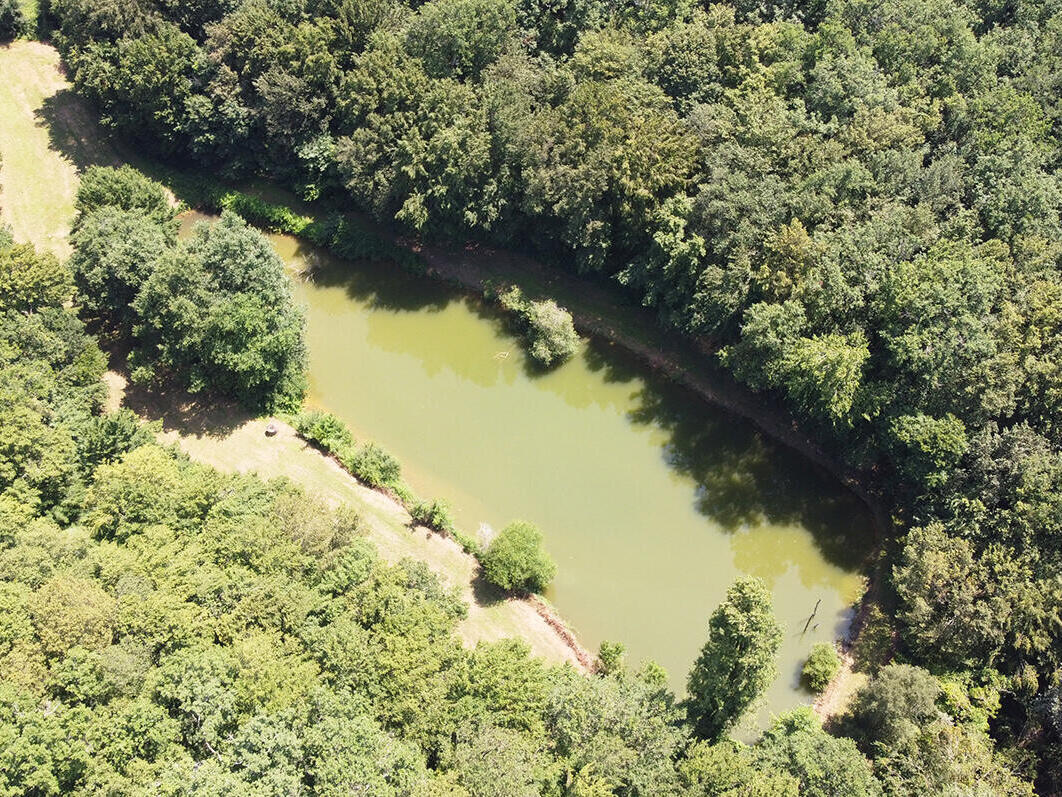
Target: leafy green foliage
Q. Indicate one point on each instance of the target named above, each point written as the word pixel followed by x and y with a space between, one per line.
pixel 822 664
pixel 461 37
pixel 610 658
pixel 30 280
pixel 551 335
pixel 374 466
pixel 216 311
pixel 515 559
pixel 435 514
pixel 13 22
pixel 823 765
pixel 858 204
pixel 325 430
pixel 891 709
pixel 737 663
pixel 125 188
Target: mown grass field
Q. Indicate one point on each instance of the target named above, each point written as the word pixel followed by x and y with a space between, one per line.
pixel 46 137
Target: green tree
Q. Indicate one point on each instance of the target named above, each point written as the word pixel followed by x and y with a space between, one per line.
pixel 821 666
pixel 824 766
pixel 515 559
pixel 30 280
pixel 952 608
pixel 461 37
pixel 123 187
pixel 890 710
pixel 737 663
pixel 729 769
pixel 949 759
pixel 68 612
pixel 114 253
pixel 13 22
pixel 141 490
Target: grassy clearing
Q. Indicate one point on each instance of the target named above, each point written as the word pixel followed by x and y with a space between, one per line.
pixel 46 138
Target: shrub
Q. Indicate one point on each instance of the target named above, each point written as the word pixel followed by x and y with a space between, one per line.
pixel 516 561
pixel 374 466
pixel 550 333
pixel 610 658
pixel 433 514
pixel 13 22
pixel 324 430
pixel 274 218
pixel 553 336
pixel 821 666
pixel 126 188
pixel 890 710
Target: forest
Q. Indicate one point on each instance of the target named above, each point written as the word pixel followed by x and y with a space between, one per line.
pixel 856 204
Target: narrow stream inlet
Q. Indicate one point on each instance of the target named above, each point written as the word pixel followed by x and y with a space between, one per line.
pixel 650 501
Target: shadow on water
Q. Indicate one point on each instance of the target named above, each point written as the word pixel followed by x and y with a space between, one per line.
pixel 743 479
pixel 379 284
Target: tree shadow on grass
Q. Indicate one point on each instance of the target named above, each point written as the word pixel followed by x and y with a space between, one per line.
pixel 485 593
pixel 188 414
pixel 74 132
pixel 200 414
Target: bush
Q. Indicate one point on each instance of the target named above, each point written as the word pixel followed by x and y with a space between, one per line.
pixel 13 22
pixel 821 666
pixel 515 559
pixel 274 218
pixel 610 658
pixel 123 187
pixel 433 514
pixel 324 430
pixel 551 335
pixel 374 466
pixel 891 709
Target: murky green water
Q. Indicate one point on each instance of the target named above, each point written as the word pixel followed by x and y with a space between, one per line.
pixel 651 502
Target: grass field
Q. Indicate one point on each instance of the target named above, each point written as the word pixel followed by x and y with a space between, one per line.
pixel 46 137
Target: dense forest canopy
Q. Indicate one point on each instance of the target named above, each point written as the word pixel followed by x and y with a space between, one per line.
pixel 857 202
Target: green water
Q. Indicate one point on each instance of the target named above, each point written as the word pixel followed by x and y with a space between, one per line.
pixel 651 501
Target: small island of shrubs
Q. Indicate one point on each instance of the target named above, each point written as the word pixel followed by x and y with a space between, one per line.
pixel 548 328
pixel 820 668
pixel 516 561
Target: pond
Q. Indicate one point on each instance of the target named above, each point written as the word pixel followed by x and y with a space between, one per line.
pixel 651 501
